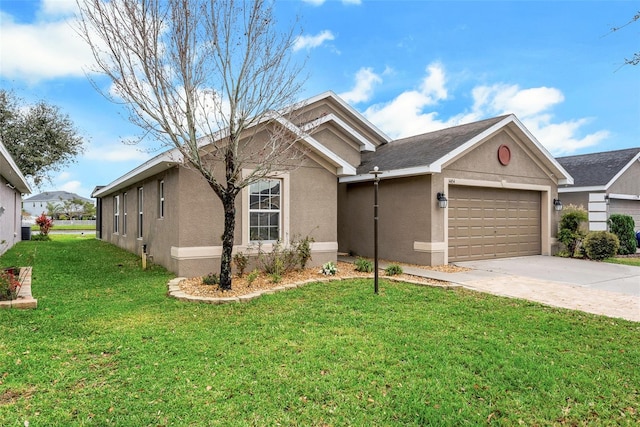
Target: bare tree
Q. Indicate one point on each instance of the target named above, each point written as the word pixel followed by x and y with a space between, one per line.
pixel 635 59
pixel 205 77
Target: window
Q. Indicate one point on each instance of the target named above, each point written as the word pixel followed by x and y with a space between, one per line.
pixel 116 213
pixel 124 214
pixel 161 199
pixel 140 211
pixel 264 210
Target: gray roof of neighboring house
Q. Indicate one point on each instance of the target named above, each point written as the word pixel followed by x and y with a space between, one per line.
pixel 55 196
pixel 597 169
pixel 423 149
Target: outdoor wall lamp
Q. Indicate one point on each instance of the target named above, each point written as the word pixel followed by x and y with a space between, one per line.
pixel 557 204
pixel 442 200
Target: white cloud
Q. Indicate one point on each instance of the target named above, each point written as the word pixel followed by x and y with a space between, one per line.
pixel 309 42
pixel 366 79
pixel 117 153
pixel 416 111
pixel 405 116
pixel 45 49
pixel 58 7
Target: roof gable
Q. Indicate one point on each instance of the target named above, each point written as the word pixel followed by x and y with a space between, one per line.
pixel 11 172
pixel 599 169
pixel 48 196
pixel 430 152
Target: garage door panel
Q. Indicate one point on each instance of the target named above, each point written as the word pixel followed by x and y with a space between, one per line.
pixel 489 223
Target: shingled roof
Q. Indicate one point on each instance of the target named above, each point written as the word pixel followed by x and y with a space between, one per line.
pixel 598 169
pixel 424 149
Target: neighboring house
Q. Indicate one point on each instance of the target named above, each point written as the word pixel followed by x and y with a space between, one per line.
pixel 171 212
pixel 35 205
pixel 12 185
pixel 499 181
pixel 604 184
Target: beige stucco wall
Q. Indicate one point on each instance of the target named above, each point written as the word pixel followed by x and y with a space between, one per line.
pixel 10 216
pixel 629 181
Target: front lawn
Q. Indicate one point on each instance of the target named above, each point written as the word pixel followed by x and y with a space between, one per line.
pixel 107 347
pixel 626 261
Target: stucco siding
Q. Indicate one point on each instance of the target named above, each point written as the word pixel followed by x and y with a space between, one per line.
pixel 10 216
pixel 628 182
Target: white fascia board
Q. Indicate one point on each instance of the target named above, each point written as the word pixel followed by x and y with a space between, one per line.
pixel 623 170
pixel 582 189
pixel 394 173
pixel 15 176
pixel 350 109
pixel 343 167
pixel 151 167
pixel 624 196
pixel 365 145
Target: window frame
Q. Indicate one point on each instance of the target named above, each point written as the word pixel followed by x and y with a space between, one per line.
pixel 140 215
pixel 284 209
pixel 124 213
pixel 266 212
pixel 161 199
pixel 116 214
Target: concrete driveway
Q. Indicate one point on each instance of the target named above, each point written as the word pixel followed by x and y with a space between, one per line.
pixel 589 274
pixel 594 287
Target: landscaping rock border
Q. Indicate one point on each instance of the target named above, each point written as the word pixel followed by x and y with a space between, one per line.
pixel 24 299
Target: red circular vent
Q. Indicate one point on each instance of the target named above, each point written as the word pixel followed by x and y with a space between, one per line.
pixel 504 155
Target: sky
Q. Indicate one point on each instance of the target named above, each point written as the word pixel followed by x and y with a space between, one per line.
pixel 409 67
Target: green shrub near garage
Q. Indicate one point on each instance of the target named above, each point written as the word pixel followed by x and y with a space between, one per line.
pixel 623 226
pixel 599 245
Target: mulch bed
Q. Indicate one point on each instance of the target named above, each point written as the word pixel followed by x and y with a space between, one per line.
pixel 241 286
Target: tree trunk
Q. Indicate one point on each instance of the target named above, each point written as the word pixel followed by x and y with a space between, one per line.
pixel 228 203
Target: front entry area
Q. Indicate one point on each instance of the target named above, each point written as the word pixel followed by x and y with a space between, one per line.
pixel 488 223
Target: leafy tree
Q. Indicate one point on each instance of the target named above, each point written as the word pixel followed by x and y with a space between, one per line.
pixel 623 226
pixel 41 139
pixel 190 69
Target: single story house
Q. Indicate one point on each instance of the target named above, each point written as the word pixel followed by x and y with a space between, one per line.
pixel 499 181
pixel 498 184
pixel 604 184
pixel 171 212
pixel 12 185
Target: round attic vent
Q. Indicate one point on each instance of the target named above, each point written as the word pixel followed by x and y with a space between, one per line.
pixel 504 155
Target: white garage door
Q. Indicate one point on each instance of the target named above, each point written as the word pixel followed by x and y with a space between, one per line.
pixel 486 223
pixel 626 207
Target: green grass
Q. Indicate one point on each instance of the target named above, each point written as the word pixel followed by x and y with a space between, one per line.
pixel 66 227
pixel 107 347
pixel 626 261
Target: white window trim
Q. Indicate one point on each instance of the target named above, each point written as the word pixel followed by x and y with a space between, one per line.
pixel 285 201
pixel 116 214
pixel 124 213
pixel 140 211
pixel 161 199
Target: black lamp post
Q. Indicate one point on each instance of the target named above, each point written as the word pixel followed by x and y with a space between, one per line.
pixel 375 172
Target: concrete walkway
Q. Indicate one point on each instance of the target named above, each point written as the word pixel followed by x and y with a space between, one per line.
pixel 593 287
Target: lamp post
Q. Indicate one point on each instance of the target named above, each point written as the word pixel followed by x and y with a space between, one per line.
pixel 375 172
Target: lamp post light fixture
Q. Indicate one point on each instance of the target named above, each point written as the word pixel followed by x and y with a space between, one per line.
pixel 376 179
pixel 442 200
pixel 557 204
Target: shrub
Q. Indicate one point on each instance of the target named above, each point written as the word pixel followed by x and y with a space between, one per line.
pixel 41 237
pixel 211 279
pixel 252 276
pixel 571 233
pixel 45 223
pixel 240 260
pixel 623 226
pixel 9 285
pixel 275 278
pixel 363 265
pixel 302 248
pixel 329 269
pixel 599 245
pixel 393 269
pixel 278 261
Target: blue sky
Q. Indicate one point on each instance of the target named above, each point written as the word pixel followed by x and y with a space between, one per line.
pixel 408 66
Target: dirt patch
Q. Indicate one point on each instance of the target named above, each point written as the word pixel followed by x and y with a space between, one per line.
pixel 242 286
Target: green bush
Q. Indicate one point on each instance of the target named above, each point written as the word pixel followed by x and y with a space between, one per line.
pixel 302 248
pixel 393 269
pixel 240 260
pixel 363 265
pixel 252 276
pixel 211 279
pixel 623 226
pixel 599 245
pixel 571 233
